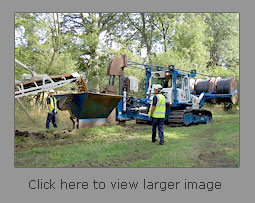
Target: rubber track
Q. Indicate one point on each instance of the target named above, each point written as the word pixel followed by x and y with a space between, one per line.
pixel 176 117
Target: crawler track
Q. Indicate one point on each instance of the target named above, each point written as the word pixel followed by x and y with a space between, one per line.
pixel 189 117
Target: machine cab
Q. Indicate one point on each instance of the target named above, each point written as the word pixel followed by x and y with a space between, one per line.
pixel 165 79
pixel 183 89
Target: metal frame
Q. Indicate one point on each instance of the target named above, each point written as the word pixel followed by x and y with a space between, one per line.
pixel 209 95
pixel 45 86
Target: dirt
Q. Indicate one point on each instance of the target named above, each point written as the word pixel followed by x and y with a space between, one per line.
pixel 29 134
pixel 215 159
pixel 38 139
pixel 39 135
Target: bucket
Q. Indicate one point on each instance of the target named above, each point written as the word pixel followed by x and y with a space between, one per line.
pixel 94 106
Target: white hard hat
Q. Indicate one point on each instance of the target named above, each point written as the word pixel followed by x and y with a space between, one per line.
pixel 158 87
pixel 52 90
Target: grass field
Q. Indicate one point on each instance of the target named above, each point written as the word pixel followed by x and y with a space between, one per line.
pixel 212 145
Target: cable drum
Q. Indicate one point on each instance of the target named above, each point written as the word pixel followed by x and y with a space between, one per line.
pixel 226 86
pixel 195 85
pixel 212 84
pixel 206 86
pixel 217 80
pixel 212 88
pixel 202 86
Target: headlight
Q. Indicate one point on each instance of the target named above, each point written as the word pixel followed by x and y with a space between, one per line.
pixel 167 74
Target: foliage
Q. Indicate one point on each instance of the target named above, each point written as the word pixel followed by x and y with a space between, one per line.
pixel 224 29
pixel 55 43
pixel 35 48
pixel 190 40
pixel 139 28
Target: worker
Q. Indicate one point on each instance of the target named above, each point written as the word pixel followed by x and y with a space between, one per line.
pixel 51 109
pixel 157 113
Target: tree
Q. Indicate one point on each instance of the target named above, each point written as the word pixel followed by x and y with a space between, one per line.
pixel 55 28
pixel 38 45
pixel 165 23
pixel 54 43
pixel 88 28
pixel 223 28
pixel 190 40
pixel 142 30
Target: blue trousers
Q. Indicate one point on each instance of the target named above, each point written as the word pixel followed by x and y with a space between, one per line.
pixel 51 117
pixel 158 122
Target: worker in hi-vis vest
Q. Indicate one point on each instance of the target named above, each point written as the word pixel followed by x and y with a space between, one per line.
pixel 157 112
pixel 51 109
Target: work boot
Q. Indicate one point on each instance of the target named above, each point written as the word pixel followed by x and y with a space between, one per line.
pixel 160 143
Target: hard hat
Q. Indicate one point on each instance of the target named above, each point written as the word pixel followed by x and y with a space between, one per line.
pixel 158 87
pixel 52 90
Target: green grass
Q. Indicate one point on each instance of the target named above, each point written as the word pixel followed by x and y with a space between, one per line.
pixel 212 145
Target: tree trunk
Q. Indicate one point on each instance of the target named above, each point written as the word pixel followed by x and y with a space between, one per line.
pixel 94 65
pixel 165 43
pixel 53 58
pixel 37 102
pixel 149 53
pixel 55 31
pixel 42 102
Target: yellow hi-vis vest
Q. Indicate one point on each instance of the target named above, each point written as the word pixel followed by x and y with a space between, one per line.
pixel 53 105
pixel 160 108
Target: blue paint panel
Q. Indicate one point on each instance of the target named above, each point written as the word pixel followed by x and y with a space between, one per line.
pixel 201 119
pixel 148 75
pixel 188 119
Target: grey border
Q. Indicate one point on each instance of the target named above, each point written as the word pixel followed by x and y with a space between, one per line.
pixel 238 183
